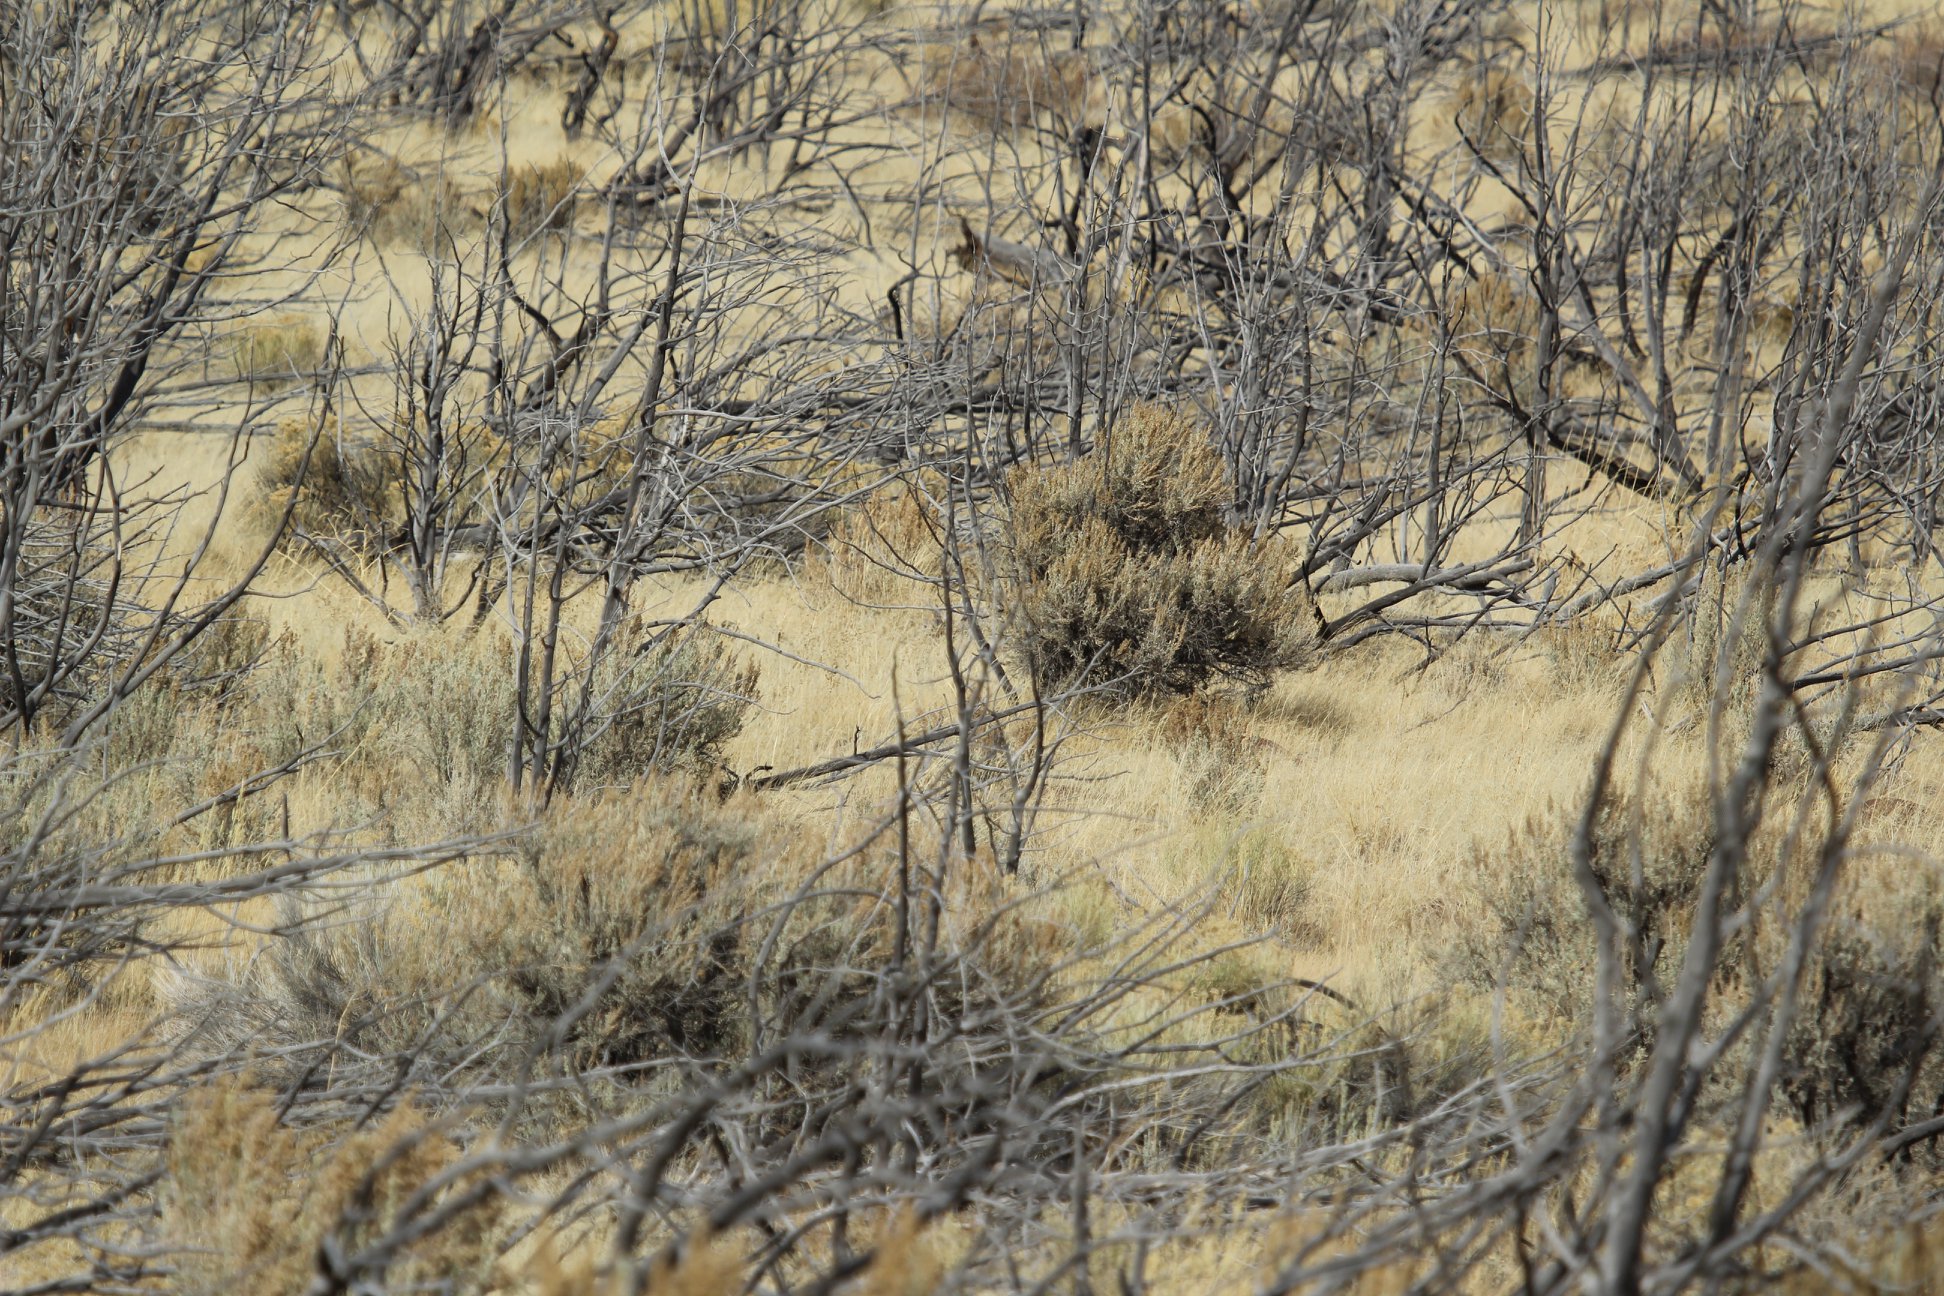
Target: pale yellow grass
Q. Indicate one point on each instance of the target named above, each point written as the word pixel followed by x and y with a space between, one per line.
pixel 1380 778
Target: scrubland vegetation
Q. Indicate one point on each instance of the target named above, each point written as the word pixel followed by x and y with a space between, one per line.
pixel 813 646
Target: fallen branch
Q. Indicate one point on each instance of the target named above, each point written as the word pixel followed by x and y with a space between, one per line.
pixel 856 760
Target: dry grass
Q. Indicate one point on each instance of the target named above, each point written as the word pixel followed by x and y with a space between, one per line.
pixel 1004 81
pixel 277 352
pixel 540 199
pixel 1380 820
pixel 392 204
pixel 1367 814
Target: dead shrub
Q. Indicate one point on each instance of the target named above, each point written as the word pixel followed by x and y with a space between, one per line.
pixel 1124 574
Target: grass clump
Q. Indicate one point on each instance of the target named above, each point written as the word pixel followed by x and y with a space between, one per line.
pixel 1126 575
pixel 277 352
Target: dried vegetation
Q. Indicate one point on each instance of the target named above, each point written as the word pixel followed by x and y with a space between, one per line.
pixel 799 647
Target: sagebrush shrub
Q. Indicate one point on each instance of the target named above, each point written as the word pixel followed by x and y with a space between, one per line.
pixel 1126 574
pixel 1865 1048
pixel 1537 939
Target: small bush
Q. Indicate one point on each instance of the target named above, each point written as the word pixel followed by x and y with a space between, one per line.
pixel 1125 575
pixel 341 486
pixel 539 200
pixel 1537 940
